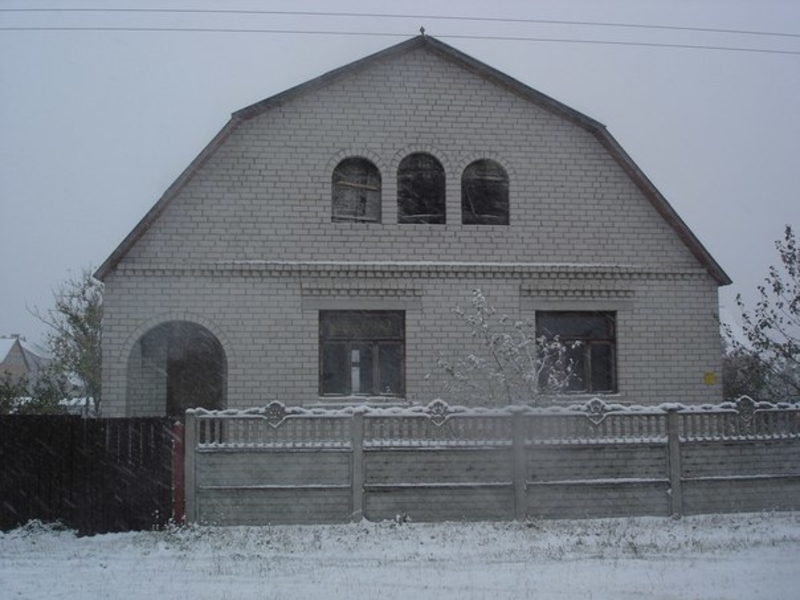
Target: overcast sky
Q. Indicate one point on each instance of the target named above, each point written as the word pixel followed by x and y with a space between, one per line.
pixel 96 124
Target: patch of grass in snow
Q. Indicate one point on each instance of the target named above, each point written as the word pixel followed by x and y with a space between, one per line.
pixel 493 560
pixel 501 541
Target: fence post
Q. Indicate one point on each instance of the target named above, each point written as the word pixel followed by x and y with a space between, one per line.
pixel 178 498
pixel 520 467
pixel 675 470
pixel 357 475
pixel 189 449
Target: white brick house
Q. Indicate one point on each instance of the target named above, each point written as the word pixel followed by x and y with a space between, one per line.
pixel 315 249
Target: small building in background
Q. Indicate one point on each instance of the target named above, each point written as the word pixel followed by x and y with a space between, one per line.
pixel 21 358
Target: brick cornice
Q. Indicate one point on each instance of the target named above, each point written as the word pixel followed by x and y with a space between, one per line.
pixel 391 270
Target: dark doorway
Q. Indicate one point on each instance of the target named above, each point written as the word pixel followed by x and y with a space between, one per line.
pixel 180 365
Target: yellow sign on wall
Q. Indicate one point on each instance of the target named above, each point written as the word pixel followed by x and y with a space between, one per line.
pixel 709 378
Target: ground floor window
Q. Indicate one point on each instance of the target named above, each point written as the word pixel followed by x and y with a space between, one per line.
pixel 362 353
pixel 590 338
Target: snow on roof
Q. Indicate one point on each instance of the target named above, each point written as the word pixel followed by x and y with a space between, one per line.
pixel 35 349
pixel 32 348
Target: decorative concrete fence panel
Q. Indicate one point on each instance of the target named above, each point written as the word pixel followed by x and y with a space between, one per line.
pixel 438 464
pixel 740 458
pixel 282 464
pixel 257 467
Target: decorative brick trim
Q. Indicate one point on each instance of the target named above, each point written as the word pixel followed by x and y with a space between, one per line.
pixel 184 316
pixel 431 149
pixel 580 294
pixel 382 289
pixel 358 152
pixel 362 292
pixel 591 274
pixel 600 288
pixel 497 157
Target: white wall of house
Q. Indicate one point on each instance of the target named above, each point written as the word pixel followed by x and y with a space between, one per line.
pixel 248 249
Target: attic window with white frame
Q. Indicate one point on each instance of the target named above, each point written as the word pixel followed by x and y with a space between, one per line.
pixel 484 194
pixel 356 191
pixel 420 190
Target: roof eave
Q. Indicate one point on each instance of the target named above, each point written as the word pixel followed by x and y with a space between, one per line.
pixel 663 207
pixel 326 79
pixel 513 85
pixel 173 190
pixel 445 51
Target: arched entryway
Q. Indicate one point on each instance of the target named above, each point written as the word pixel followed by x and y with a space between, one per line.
pixel 175 366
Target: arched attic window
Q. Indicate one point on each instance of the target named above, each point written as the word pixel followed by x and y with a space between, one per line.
pixel 356 191
pixel 484 194
pixel 420 190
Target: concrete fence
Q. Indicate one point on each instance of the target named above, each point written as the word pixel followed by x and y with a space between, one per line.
pixel 282 464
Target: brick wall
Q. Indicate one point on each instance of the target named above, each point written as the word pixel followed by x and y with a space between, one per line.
pixel 581 235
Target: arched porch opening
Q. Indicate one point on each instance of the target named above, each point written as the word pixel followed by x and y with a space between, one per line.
pixel 175 366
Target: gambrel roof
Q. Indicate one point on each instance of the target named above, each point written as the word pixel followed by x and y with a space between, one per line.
pixel 446 52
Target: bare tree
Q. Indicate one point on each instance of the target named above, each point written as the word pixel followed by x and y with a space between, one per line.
pixel 772 327
pixel 76 333
pixel 744 374
pixel 511 363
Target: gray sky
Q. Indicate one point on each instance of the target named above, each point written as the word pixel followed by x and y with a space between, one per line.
pixel 95 125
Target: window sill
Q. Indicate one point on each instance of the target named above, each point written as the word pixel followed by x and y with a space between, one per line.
pixel 348 401
pixel 582 398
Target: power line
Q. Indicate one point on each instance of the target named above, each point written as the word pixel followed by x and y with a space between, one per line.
pixel 404 35
pixel 200 30
pixel 402 16
pixel 623 43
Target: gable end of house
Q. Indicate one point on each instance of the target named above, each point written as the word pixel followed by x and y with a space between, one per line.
pixel 448 53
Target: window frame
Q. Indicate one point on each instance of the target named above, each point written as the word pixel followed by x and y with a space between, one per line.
pixel 588 344
pixel 411 188
pixel 370 185
pixel 377 344
pixel 477 178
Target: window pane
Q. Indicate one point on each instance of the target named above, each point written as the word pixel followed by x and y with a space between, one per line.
pixel 593 359
pixel 391 370
pixel 362 366
pixel 353 204
pixel 576 356
pixel 361 325
pixel 563 373
pixel 335 368
pixel 420 190
pixel 576 325
pixel 356 191
pixel 602 357
pixel 484 194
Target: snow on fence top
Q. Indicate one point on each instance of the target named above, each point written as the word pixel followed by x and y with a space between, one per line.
pixel 440 424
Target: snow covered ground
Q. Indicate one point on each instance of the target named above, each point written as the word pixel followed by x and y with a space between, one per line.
pixel 708 557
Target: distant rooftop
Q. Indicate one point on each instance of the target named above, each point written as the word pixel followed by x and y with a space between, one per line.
pixel 8 341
